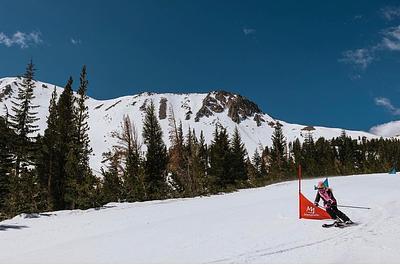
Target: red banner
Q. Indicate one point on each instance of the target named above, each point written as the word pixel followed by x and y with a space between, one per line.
pixel 309 211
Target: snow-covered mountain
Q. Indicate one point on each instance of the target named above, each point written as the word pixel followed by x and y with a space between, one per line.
pixel 250 226
pixel 390 129
pixel 198 111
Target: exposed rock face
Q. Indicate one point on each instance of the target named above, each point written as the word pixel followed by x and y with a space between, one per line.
pixel 113 105
pixel 99 106
pixel 239 108
pixel 308 128
pixel 185 105
pixel 258 119
pixel 162 113
pixel 7 92
pixel 144 106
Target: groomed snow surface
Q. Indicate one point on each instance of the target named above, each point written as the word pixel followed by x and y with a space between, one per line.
pixel 250 226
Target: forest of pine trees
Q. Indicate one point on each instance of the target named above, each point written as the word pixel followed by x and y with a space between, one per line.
pixel 51 171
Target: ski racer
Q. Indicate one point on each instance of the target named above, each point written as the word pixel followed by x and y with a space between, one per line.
pixel 330 204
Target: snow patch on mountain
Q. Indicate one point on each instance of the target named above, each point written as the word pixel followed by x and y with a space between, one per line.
pixel 390 129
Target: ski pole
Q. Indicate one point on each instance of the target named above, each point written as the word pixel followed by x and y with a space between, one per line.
pixel 358 207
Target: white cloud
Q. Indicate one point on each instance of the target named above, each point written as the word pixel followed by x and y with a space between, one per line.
pixel 360 57
pixel 21 39
pixel 390 129
pixel 76 41
pixel 249 31
pixel 390 12
pixel 391 39
pixel 385 102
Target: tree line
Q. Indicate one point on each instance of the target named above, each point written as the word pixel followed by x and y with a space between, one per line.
pixel 51 171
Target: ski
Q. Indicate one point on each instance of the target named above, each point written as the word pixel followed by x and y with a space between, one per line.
pixel 339 225
pixel 329 225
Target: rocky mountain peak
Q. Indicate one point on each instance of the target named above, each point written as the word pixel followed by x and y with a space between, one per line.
pixel 239 108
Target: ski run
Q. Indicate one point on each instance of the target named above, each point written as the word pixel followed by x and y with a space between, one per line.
pixel 250 226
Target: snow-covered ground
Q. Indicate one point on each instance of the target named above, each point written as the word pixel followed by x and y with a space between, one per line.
pixel 250 226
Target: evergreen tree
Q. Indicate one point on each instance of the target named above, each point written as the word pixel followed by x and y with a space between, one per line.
pixel 239 153
pixel 257 163
pixel 156 156
pixel 6 164
pixel 278 165
pixel 309 164
pixel 189 156
pixel 202 159
pixel 220 161
pixel 64 179
pixel 112 188
pixel 47 155
pixel 85 179
pixel 23 120
pixel 325 158
pixel 198 167
pixel 23 185
pixel 346 153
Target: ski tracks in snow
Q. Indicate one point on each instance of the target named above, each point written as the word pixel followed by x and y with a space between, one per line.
pixel 263 253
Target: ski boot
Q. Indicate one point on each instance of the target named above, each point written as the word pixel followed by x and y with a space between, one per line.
pixel 338 222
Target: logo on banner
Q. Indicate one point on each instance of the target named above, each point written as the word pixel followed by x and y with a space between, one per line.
pixel 310 210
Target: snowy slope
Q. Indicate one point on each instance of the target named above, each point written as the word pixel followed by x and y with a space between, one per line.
pixel 105 116
pixel 390 129
pixel 250 226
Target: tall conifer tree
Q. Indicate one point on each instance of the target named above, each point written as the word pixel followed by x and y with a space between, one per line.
pixel 156 156
pixel 24 118
pixel 239 153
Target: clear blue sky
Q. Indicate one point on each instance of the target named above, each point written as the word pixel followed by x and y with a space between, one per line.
pixel 331 63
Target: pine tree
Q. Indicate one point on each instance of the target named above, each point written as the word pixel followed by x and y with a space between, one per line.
pixel 198 168
pixel 156 156
pixel 220 161
pixel 112 188
pixel 23 120
pixel 64 178
pixel 202 159
pixel 24 186
pixel 325 158
pixel 346 153
pixel 239 153
pixel 188 164
pixel 278 155
pixel 47 155
pixel 85 180
pixel 297 152
pixel 310 164
pixel 6 164
pixel 257 163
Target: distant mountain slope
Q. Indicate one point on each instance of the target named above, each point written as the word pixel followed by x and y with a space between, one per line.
pixel 390 129
pixel 198 111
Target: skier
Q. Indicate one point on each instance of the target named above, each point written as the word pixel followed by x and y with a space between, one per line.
pixel 330 204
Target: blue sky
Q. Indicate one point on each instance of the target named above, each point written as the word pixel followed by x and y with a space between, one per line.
pixel 324 63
